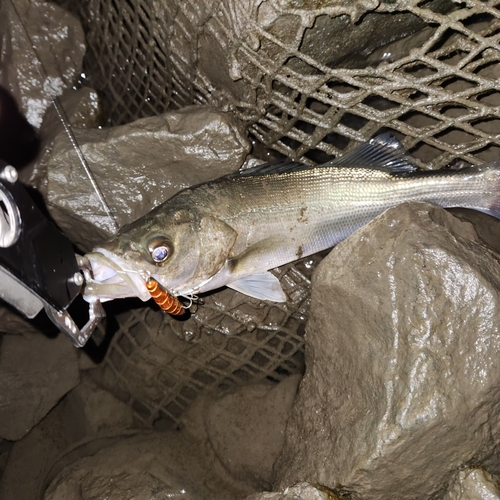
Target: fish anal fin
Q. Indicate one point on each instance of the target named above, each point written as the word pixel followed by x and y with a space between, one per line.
pixel 263 286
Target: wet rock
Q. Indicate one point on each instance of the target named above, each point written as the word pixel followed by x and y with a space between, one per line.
pixel 301 491
pixel 32 458
pixel 59 44
pixel 138 166
pixel 35 373
pixel 247 428
pixel 486 226
pixel 80 108
pixel 401 385
pixel 71 430
pixel 142 467
pixel 244 430
pixel 473 484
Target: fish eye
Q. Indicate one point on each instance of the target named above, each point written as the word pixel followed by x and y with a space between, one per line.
pixel 160 249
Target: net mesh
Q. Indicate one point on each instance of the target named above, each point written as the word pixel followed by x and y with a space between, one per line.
pixel 439 95
pixel 309 84
pixel 159 365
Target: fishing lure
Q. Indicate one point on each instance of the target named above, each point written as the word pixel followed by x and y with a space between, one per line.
pixel 165 300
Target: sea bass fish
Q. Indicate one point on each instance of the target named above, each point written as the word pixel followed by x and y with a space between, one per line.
pixel 232 231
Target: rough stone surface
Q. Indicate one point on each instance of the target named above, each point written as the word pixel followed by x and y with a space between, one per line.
pixel 35 373
pixel 246 429
pixel 143 467
pixel 301 491
pixel 473 484
pixel 59 41
pixel 241 432
pixel 81 109
pixel 84 415
pixel 401 385
pixel 139 165
pixel 103 414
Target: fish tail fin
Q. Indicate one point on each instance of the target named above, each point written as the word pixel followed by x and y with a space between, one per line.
pixel 491 195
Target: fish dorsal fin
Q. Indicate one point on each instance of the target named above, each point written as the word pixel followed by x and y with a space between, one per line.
pixel 383 152
pixel 263 286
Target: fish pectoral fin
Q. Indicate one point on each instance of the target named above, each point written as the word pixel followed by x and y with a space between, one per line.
pixel 383 152
pixel 248 265
pixel 251 260
pixel 263 286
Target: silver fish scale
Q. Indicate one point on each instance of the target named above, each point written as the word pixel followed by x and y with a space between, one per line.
pixel 314 209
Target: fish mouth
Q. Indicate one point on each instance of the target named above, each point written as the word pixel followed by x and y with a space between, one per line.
pixel 112 279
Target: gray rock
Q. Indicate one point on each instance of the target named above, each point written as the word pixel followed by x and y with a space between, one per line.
pixel 71 430
pixel 138 166
pixel 35 373
pixel 245 428
pixel 81 108
pixel 12 322
pixel 143 467
pixel 59 41
pixel 401 385
pixel 473 484
pixel 301 491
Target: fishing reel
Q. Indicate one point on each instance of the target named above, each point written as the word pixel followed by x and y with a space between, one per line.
pixel 38 267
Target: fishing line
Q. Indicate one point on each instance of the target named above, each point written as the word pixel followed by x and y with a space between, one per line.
pixel 65 122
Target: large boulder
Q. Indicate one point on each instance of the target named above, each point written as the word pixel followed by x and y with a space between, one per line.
pixel 402 375
pixel 138 166
pixel 85 415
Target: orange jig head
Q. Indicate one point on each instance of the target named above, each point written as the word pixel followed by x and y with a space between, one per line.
pixel 165 300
